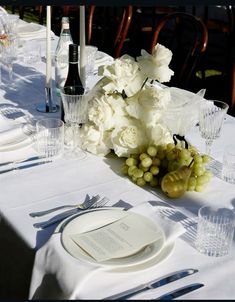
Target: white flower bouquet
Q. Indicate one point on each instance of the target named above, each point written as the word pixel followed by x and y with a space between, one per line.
pixel 126 108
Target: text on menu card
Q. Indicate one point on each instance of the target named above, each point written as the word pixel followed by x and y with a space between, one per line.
pixel 121 238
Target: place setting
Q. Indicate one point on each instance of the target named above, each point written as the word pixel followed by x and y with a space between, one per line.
pixel 103 240
pixel 90 237
pixel 137 250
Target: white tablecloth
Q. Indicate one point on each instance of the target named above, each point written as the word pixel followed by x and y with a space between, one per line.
pixel 69 181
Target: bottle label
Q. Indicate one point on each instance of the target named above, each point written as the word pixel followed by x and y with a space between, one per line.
pixel 65 25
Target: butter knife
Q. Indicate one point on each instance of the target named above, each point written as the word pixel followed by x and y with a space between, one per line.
pixel 180 291
pixel 25 166
pixel 153 284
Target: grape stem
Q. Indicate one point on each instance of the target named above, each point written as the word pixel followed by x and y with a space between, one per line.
pixel 144 83
pixel 189 166
pixel 181 138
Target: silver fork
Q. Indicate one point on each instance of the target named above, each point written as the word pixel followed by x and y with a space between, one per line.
pixel 82 206
pixel 44 224
pixel 12 112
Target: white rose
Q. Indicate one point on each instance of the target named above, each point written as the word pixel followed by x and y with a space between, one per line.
pixel 100 113
pixel 106 110
pixel 123 75
pixel 155 66
pixel 128 139
pixel 92 140
pixel 159 135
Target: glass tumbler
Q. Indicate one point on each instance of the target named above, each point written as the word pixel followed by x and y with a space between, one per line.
pixel 215 231
pixel 75 110
pixel 228 169
pixel 50 137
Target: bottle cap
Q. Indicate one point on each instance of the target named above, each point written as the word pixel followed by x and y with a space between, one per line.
pixel 73 53
pixel 65 22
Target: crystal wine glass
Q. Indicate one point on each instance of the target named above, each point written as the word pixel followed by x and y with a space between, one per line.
pixel 75 110
pixel 211 118
pixel 9 51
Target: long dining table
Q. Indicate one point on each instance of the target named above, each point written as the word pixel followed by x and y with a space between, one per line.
pixel 25 250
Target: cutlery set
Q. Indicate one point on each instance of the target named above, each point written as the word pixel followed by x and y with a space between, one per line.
pixel 160 282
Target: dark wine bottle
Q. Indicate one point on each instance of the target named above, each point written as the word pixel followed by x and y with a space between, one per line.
pixel 73 79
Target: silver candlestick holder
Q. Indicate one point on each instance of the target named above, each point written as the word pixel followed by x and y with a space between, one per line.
pixel 48 106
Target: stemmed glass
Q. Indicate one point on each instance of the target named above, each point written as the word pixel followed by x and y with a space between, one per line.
pixel 75 110
pixel 211 118
pixel 9 51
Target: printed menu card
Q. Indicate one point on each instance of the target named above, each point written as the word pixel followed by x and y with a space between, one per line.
pixel 121 238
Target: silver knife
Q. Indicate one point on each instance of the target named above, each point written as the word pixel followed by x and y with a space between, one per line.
pixel 25 166
pixel 180 291
pixel 21 161
pixel 153 284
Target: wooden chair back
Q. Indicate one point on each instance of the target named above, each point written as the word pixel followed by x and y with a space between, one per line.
pixel 123 30
pixel 121 33
pixel 187 37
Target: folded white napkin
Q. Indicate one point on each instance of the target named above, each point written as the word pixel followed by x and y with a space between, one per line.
pixel 71 274
pixel 176 117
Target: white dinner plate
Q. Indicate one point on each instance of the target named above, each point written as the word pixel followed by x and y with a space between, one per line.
pixel 95 219
pixel 30 29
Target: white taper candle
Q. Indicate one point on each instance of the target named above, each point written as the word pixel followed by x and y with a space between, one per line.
pixel 48 48
pixel 82 46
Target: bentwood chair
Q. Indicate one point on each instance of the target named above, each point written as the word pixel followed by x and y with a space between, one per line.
pixel 111 38
pixel 187 37
pixel 220 55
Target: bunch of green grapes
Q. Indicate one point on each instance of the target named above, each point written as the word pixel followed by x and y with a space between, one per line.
pixel 150 166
